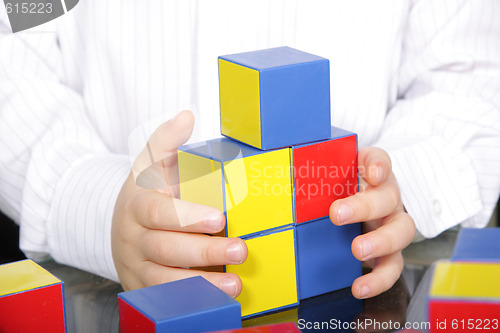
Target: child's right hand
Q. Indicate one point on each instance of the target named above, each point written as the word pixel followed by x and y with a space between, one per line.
pixel 154 233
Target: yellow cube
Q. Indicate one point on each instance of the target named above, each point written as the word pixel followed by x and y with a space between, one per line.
pixel 275 97
pixel 268 274
pixel 251 186
pixel 466 280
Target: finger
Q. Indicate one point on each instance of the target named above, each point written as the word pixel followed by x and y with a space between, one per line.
pixel 192 250
pixel 393 236
pixel 161 149
pixel 380 279
pixel 154 210
pixel 376 202
pixel 153 274
pixel 374 165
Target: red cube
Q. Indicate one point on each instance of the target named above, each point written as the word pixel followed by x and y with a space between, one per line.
pixel 324 171
pixel 31 299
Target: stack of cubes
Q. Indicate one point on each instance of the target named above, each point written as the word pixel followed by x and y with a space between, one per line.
pixel 465 295
pixel 275 174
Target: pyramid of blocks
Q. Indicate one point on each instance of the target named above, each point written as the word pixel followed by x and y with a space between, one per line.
pixel 275 173
pixel 464 293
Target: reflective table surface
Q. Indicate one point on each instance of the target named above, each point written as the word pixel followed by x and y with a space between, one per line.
pixel 92 304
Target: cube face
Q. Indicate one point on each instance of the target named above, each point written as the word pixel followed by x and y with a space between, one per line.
pixel 324 172
pixel 268 274
pixel 27 291
pixel 239 96
pixel 465 280
pixel 132 320
pixel 251 186
pixel 22 276
pixel 280 95
pixel 324 258
pixel 189 305
pixel 199 176
pixel 267 193
pixel 480 245
pixel 456 315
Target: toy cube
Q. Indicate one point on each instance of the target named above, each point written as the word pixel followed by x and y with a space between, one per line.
pixel 31 299
pixel 189 305
pixel 324 171
pixel 481 245
pixel 275 97
pixel 268 274
pixel 276 328
pixel 251 186
pixel 463 296
pixel 324 259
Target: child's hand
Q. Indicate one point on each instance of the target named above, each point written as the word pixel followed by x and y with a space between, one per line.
pixel 154 233
pixel 389 229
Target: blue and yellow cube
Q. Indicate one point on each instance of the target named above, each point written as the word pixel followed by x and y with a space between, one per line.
pixel 253 187
pixel 324 259
pixel 275 97
pixel 269 274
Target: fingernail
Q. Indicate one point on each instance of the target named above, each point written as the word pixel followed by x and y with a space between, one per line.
pixel 364 291
pixel 214 222
pixel 344 213
pixel 366 248
pixel 235 253
pixel 228 286
pixel 380 174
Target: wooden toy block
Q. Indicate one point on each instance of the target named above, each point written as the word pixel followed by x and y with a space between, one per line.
pixel 251 186
pixel 274 97
pixel 324 171
pixel 268 274
pixel 464 295
pixel 479 245
pixel 276 328
pixel 31 299
pixel 189 305
pixel 324 259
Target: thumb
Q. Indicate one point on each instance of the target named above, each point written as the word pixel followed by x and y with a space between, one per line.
pixel 156 164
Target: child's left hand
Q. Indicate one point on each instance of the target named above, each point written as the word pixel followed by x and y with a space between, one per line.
pixel 388 228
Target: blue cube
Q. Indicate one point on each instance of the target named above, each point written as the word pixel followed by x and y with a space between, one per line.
pixel 275 97
pixel 478 245
pixel 189 305
pixel 324 259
